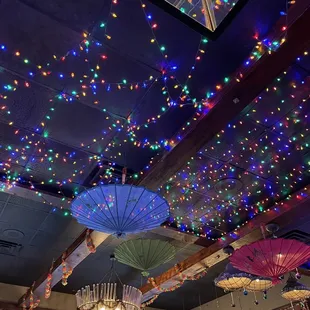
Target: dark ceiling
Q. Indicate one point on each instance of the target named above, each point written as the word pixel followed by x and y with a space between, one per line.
pixel 63 141
pixel 76 130
pixel 260 158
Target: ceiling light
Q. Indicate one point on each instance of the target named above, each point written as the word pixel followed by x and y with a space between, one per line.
pixel 113 295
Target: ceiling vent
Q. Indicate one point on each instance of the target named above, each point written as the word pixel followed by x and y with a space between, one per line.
pixel 9 248
pixel 297 235
pixel 99 172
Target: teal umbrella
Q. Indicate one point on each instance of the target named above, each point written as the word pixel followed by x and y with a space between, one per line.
pixel 144 254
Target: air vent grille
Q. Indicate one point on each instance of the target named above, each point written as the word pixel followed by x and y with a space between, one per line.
pixel 297 235
pixel 99 172
pixel 9 248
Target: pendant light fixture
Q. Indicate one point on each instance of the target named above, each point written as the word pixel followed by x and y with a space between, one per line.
pixel 112 295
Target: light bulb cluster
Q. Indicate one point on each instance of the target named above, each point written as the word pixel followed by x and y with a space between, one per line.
pixel 35 142
pixel 259 159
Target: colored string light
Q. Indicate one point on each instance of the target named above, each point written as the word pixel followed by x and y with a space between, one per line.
pixel 89 242
pixel 66 271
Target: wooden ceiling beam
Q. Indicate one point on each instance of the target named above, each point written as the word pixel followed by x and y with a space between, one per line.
pixel 75 254
pixel 235 97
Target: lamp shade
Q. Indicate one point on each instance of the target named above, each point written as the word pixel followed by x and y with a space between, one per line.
pixel 259 284
pixel 120 209
pixel 232 279
pixel 144 254
pixel 295 291
pixel 109 296
pixel 271 257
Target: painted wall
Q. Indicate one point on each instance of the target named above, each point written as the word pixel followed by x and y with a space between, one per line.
pixel 58 301
pixel 242 302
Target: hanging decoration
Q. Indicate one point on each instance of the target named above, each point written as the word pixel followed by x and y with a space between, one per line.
pixel 120 209
pixel 24 306
pixel 149 302
pixel 111 295
pixel 48 286
pixel 182 277
pixel 259 284
pixel 66 271
pixel 271 257
pixel 89 242
pixel 232 280
pixel 33 301
pixel 145 254
pixel 295 291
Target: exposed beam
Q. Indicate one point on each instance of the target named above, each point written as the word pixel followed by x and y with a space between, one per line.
pixel 75 253
pixel 286 213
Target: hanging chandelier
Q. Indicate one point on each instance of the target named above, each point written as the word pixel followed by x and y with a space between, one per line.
pixel 144 254
pixel 113 295
pixel 120 209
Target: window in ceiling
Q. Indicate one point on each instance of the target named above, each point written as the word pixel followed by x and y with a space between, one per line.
pixel 209 17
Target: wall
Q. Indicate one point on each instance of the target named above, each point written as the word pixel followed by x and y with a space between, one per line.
pixel 242 302
pixel 58 301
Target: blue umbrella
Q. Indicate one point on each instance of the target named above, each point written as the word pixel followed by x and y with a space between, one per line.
pixel 120 209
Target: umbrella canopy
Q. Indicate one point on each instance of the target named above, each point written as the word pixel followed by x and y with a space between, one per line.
pixel 232 279
pixel 120 209
pixel 271 257
pixel 259 284
pixel 144 254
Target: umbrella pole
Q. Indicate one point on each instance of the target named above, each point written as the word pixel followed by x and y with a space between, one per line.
pixel 232 300
pixel 255 299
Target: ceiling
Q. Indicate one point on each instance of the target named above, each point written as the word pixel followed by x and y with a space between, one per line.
pixel 51 124
pixel 261 157
pixel 89 87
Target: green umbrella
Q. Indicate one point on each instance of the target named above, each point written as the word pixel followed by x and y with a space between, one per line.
pixel 144 254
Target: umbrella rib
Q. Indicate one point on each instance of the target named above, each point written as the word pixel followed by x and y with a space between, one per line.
pixel 133 207
pixel 129 194
pixel 106 202
pixel 116 203
pixel 157 254
pixel 149 256
pixel 95 204
pixel 146 225
pixel 301 246
pixel 129 255
pixel 148 212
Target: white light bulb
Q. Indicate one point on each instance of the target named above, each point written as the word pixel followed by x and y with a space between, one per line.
pixel 102 308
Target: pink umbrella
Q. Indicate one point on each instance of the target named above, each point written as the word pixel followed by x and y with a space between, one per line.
pixel 271 257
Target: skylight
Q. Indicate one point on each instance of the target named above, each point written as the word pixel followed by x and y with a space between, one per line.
pixel 209 17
